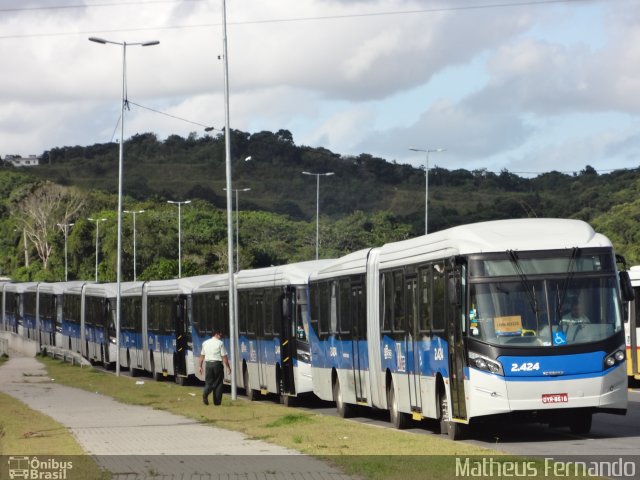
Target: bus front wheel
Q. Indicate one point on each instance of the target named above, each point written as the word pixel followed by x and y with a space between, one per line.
pixel 580 423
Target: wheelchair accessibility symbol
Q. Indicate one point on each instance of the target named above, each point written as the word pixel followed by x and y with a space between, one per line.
pixel 559 338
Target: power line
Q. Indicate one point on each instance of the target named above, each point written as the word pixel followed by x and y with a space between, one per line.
pixel 170 115
pixel 88 5
pixel 293 19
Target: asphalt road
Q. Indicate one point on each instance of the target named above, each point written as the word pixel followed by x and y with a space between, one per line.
pixel 611 435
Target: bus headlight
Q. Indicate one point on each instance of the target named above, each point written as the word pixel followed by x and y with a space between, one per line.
pixel 483 363
pixel 615 358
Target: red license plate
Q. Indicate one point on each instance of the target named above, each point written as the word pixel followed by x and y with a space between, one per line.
pixel 555 398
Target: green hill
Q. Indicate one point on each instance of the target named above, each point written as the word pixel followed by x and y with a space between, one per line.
pixel 367 201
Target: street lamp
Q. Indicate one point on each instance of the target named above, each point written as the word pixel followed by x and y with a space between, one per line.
pixel 134 213
pixel 120 169
pixel 97 220
pixel 186 202
pixel 426 182
pixel 318 175
pixel 65 230
pixel 238 223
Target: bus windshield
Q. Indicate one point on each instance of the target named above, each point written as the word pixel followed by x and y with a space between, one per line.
pixel 545 312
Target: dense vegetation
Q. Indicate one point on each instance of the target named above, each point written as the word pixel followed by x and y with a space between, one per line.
pixel 367 202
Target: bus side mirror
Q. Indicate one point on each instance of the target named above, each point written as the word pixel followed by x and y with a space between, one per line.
pixel 626 288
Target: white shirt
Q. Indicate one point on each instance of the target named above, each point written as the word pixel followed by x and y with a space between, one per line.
pixel 213 350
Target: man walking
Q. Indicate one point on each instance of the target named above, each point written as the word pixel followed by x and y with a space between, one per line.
pixel 213 355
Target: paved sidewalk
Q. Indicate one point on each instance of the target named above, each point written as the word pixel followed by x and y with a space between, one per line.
pixel 139 442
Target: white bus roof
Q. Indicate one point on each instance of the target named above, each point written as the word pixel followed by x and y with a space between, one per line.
pixel 494 236
pixel 292 274
pixel 20 287
pixel 176 286
pixel 210 283
pixel 352 264
pixel 110 290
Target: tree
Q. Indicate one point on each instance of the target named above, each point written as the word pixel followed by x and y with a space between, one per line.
pixel 43 210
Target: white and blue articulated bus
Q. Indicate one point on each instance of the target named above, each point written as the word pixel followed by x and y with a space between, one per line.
pixel 30 310
pixel 518 318
pixel 98 320
pixel 632 328
pixel 273 330
pixel 50 313
pixel 209 311
pixel 166 329
pixel 12 307
pixel 73 336
pixel 131 336
pixel 20 308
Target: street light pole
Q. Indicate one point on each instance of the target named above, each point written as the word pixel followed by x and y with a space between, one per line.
pixel 134 213
pixel 426 183
pixel 97 220
pixel 65 230
pixel 318 175
pixel 186 202
pixel 120 172
pixel 233 319
pixel 238 223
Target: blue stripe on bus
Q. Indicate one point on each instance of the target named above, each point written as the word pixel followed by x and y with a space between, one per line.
pixel 565 378
pixel 589 364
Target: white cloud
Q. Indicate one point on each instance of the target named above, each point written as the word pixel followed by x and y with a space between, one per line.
pixel 329 71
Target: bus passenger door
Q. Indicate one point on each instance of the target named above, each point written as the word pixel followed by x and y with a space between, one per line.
pixel 412 345
pixel 358 335
pixel 455 332
pixel 286 316
pixel 182 337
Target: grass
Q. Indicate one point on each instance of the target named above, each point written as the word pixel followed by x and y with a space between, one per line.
pixel 26 432
pixel 365 451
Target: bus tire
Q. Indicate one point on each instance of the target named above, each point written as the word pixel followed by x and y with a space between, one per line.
pixel 248 391
pixel 397 418
pixel 580 423
pixel 154 375
pixel 345 410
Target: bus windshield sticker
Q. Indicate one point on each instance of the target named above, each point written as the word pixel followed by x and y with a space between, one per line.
pixel 508 325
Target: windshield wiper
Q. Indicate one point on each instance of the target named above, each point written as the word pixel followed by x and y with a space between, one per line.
pixel 531 296
pixel 570 272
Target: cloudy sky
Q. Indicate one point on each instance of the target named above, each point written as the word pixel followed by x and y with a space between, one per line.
pixel 528 86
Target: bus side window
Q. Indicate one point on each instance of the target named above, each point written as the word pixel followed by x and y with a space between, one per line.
pixel 424 299
pixel 438 320
pixel 333 312
pixel 398 302
pixel 345 306
pixel 386 295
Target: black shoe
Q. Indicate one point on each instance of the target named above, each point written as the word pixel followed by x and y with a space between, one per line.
pixel 205 400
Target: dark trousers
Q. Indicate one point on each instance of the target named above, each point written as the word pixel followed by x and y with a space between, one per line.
pixel 214 378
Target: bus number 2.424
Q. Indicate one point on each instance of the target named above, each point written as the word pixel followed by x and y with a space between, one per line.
pixel 525 367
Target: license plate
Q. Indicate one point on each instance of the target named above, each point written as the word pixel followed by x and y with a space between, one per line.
pixel 555 398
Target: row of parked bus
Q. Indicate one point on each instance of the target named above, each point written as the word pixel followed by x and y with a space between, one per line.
pixel 470 323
